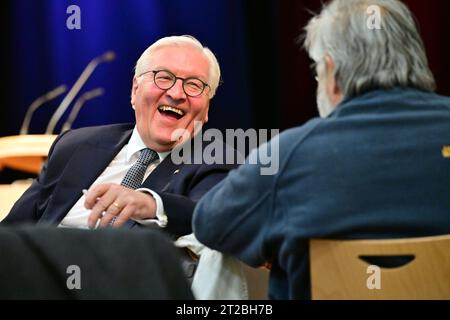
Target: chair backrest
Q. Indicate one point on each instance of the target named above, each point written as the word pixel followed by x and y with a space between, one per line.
pixel 339 269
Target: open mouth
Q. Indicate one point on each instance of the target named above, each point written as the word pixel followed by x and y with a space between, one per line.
pixel 171 112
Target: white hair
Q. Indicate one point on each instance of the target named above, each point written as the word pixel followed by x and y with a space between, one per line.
pixel 184 40
pixel 366 58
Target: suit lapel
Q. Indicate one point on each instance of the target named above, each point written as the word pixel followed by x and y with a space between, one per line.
pixel 160 178
pixel 86 164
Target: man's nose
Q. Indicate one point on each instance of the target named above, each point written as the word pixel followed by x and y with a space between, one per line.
pixel 177 92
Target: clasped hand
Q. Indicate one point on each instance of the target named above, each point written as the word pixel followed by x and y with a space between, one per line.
pixel 114 204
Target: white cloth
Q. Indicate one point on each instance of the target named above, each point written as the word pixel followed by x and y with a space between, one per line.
pixel 217 276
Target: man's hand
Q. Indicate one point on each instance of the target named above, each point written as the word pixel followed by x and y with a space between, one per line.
pixel 118 204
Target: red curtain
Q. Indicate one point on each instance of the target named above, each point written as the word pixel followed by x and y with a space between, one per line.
pixel 298 87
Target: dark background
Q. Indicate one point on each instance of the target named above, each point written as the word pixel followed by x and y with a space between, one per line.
pixel 266 75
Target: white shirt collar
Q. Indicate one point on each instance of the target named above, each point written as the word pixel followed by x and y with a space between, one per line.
pixel 135 145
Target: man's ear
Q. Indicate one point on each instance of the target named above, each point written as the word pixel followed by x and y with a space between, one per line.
pixel 134 88
pixel 330 68
pixel 333 90
pixel 206 116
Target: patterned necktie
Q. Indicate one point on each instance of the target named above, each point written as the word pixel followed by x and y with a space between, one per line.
pixel 135 175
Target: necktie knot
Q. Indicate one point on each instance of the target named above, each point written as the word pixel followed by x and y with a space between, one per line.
pixel 147 156
pixel 135 175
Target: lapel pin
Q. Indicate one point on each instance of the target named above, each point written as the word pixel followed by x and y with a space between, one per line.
pixel 176 171
pixel 446 152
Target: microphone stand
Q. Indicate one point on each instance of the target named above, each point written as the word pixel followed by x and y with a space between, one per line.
pixel 106 57
pixel 79 104
pixel 39 102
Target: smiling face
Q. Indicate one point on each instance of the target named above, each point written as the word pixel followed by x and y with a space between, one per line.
pixel 159 112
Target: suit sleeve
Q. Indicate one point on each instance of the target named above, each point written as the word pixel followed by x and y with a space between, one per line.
pixel 235 215
pixel 180 207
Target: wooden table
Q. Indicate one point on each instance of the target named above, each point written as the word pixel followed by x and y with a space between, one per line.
pixel 25 152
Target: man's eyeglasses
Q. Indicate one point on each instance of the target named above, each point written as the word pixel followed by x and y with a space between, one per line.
pixel 165 80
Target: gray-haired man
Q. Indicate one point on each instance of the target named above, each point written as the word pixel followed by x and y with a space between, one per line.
pixel 373 166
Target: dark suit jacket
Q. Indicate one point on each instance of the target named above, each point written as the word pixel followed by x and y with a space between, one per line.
pixel 375 168
pixel 56 263
pixel 78 157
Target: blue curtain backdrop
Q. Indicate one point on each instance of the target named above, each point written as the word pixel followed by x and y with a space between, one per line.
pixel 43 53
pixel 267 79
pixel 267 82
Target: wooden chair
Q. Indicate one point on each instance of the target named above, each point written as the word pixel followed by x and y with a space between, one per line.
pixel 339 269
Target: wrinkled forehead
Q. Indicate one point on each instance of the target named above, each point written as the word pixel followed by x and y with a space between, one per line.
pixel 184 61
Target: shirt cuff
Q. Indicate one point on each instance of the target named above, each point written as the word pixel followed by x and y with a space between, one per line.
pixel 161 217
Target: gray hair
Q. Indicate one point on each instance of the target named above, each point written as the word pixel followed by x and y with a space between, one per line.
pixel 184 40
pixel 368 59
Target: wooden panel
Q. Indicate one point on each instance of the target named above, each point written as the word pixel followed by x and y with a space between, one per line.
pixel 257 282
pixel 9 193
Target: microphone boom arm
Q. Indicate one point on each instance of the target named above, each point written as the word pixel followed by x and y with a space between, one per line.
pixel 39 102
pixel 106 57
pixel 79 104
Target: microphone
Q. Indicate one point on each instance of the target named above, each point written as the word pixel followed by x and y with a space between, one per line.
pixel 106 57
pixel 79 104
pixel 39 102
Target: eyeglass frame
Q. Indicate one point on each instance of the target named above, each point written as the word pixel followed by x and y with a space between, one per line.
pixel 175 81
